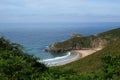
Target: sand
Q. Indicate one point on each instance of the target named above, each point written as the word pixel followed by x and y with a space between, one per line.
pixel 87 52
pixel 79 55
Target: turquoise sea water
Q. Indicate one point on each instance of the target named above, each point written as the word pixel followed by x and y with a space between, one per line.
pixel 35 37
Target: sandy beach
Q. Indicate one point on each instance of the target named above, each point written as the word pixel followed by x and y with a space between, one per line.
pixel 79 55
pixel 87 52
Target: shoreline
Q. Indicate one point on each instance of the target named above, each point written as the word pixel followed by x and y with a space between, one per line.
pixel 67 61
pixel 79 55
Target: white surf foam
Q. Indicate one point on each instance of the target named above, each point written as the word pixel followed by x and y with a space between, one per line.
pixel 56 58
pixel 64 61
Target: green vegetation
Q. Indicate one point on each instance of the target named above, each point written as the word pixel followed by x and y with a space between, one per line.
pixel 103 65
pixel 17 65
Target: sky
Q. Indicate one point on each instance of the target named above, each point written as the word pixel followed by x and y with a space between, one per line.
pixel 35 11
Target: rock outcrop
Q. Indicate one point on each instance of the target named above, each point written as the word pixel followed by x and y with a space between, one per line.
pixel 98 43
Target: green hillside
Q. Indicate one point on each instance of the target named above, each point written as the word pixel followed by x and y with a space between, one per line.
pixel 95 60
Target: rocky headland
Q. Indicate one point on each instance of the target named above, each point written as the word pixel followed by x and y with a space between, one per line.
pixel 79 42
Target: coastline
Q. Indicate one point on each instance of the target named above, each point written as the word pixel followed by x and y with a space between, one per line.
pixel 67 61
pixel 79 55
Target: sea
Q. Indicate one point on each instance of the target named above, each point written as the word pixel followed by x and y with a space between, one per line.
pixel 35 37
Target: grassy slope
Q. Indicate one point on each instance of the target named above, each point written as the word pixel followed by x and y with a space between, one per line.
pixel 93 62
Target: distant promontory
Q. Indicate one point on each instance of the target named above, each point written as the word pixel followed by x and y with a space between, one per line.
pixel 78 41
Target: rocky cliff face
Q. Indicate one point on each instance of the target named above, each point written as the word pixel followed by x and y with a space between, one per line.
pixel 98 43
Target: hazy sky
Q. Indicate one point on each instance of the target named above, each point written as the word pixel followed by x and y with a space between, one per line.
pixel 59 11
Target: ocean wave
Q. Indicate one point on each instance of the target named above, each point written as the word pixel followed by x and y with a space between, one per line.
pixel 56 58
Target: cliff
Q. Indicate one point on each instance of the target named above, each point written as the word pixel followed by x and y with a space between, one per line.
pixel 77 42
